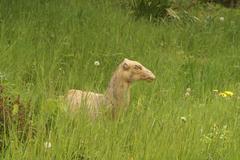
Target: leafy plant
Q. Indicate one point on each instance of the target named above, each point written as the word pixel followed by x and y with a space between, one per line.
pixel 151 9
pixel 14 116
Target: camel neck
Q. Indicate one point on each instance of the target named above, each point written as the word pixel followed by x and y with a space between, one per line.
pixel 118 91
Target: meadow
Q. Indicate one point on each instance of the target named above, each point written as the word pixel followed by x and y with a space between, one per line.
pixel 48 47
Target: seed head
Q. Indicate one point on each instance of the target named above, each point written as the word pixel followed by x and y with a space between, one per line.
pixel 97 63
pixel 221 19
pixel 187 94
pixel 188 90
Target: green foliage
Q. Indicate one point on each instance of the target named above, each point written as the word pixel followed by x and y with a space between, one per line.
pixel 153 10
pixel 48 47
pixel 226 3
pixel 14 117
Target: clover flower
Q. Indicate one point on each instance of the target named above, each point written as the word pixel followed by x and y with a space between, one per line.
pixel 188 92
pixel 188 89
pixel 221 19
pixel 184 119
pixel 97 63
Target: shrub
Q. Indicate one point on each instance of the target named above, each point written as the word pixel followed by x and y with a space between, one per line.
pixel 14 116
pixel 151 9
pixel 226 3
pixel 154 10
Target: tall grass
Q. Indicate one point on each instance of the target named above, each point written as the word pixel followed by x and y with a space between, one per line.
pixel 48 47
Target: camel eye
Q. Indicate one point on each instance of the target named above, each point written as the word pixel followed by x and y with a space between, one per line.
pixel 137 67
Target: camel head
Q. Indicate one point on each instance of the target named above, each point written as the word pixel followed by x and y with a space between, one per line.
pixel 133 71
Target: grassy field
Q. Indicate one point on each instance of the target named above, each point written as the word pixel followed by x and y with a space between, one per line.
pixel 48 47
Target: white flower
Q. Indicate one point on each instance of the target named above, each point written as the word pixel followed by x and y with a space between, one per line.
pixel 184 119
pixel 97 63
pixel 221 19
pixel 47 145
pixel 187 94
pixel 188 90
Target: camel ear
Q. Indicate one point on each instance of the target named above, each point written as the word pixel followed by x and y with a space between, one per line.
pixel 125 66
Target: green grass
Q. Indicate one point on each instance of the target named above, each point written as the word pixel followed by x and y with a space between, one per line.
pixel 48 47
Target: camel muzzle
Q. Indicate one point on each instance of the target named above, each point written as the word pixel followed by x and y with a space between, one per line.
pixel 149 76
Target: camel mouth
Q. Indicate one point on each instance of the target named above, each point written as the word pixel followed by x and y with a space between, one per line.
pixel 149 76
pixel 150 79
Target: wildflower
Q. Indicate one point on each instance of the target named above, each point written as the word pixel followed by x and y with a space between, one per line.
pixel 47 145
pixel 222 94
pixel 221 19
pixel 97 63
pixel 184 119
pixel 188 90
pixel 215 90
pixel 187 94
pixel 228 93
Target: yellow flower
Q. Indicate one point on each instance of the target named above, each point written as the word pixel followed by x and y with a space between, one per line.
pixel 222 94
pixel 228 93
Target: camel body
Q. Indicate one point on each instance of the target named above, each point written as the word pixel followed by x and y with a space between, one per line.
pixel 117 95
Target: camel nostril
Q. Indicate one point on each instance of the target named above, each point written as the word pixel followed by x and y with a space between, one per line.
pixel 153 77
